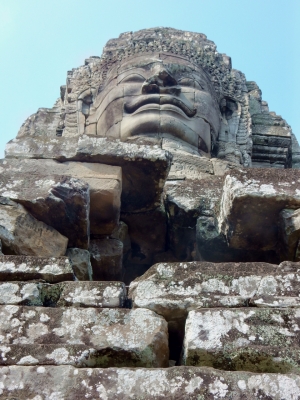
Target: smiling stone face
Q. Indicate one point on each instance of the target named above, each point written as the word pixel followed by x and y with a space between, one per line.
pixel 162 96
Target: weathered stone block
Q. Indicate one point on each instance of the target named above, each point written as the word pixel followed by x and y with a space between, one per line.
pixel 105 186
pixel 173 289
pixel 61 202
pixel 186 383
pixel 24 268
pixel 144 168
pixel 120 337
pixel 64 294
pixel 22 234
pixel 92 294
pixel 185 201
pixel 106 259
pixel 289 221
pixel 259 340
pixel 81 263
pixel 251 203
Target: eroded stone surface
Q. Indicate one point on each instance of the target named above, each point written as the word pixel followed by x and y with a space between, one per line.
pixel 122 337
pixel 23 268
pixel 81 263
pixel 187 383
pixel 21 233
pixel 106 259
pixel 251 203
pixel 59 201
pixel 256 339
pixel 289 221
pixel 173 289
pixel 185 201
pixel 66 294
pixel 105 185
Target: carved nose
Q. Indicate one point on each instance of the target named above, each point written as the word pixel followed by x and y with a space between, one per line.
pixel 161 82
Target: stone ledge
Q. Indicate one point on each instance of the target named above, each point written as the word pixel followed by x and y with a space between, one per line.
pixel 185 383
pixel 24 268
pixel 64 294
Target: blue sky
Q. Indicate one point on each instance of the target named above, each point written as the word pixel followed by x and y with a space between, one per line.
pixel 41 40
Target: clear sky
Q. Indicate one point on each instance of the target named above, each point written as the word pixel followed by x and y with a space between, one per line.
pixel 40 40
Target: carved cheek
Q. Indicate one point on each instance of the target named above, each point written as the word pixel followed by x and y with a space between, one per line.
pixel 207 109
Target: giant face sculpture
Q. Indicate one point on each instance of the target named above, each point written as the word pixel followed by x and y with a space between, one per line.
pixel 158 95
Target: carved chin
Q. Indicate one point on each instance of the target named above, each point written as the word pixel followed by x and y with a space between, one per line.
pixel 154 121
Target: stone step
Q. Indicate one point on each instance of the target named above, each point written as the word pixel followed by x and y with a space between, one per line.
pixel 64 294
pixel 122 337
pixel 24 268
pixel 185 383
pixel 173 289
pixel 255 339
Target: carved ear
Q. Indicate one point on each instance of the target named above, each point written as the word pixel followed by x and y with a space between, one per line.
pixel 231 112
pixel 202 145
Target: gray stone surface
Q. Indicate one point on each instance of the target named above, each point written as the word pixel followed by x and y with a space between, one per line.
pixel 289 221
pixel 105 185
pixel 61 202
pixel 250 206
pixel 23 234
pixel 173 289
pixel 255 339
pixel 186 383
pixel 121 337
pixel 24 268
pixel 106 259
pixel 144 168
pixel 185 201
pixel 81 263
pixel 64 294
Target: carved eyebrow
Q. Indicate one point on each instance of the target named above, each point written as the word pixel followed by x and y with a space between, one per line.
pixel 133 78
pixel 189 81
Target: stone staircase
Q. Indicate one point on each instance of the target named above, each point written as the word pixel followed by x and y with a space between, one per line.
pixel 195 330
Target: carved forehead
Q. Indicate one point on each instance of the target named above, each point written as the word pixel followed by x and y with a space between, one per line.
pixel 178 66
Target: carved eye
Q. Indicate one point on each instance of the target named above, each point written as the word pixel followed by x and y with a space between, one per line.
pixel 135 78
pixel 187 82
pixel 191 83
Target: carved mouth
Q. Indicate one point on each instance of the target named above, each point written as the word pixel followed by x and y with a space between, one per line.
pixel 142 100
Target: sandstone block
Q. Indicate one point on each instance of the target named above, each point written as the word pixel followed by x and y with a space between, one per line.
pixel 144 168
pixel 256 339
pixel 121 233
pixel 120 337
pixel 92 294
pixel 174 289
pixel 106 259
pixel 66 294
pixel 23 234
pixel 251 203
pixel 105 186
pixel 24 268
pixel 290 233
pixel 81 263
pixel 59 201
pixel 186 383
pixel 185 201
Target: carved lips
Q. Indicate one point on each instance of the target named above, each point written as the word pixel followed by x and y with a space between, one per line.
pixel 142 100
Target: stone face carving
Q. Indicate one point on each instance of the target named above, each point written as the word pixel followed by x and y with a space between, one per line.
pixel 168 83
pixel 148 95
